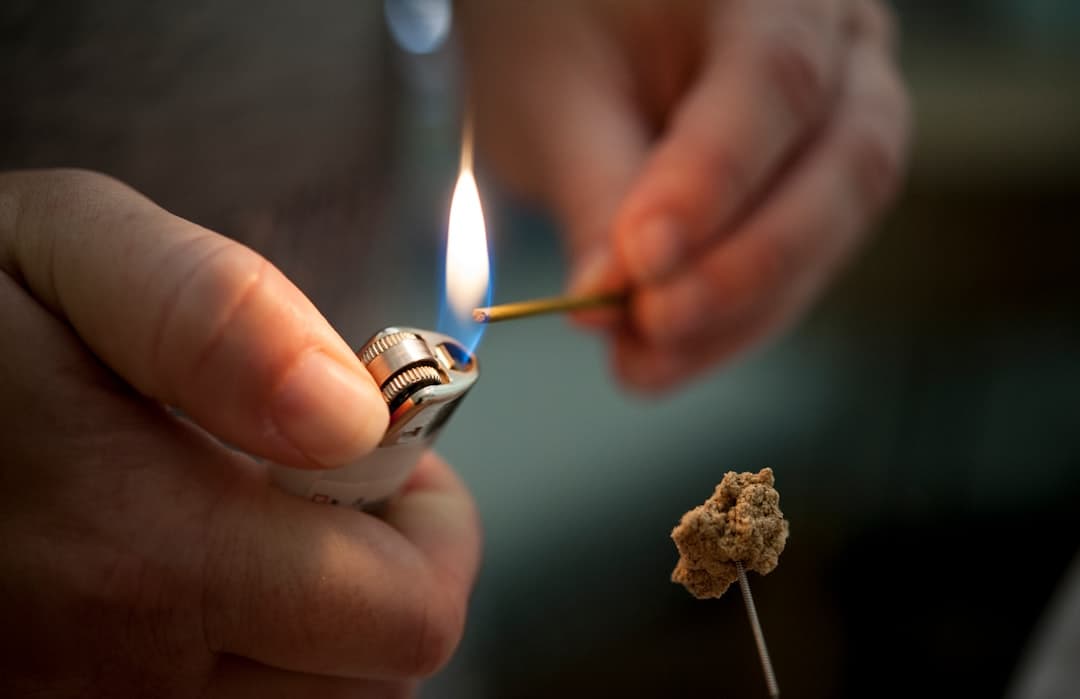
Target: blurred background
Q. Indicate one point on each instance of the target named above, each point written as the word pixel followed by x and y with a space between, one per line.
pixel 922 422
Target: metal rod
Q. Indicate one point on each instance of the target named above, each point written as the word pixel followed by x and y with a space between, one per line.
pixel 759 637
pixel 556 304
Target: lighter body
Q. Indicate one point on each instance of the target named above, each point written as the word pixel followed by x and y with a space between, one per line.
pixel 423 376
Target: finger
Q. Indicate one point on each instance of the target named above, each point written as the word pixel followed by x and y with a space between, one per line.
pixel 238 678
pixel 769 77
pixel 874 21
pixel 566 130
pixel 333 592
pixel 436 513
pixel 189 317
pixel 319 590
pixel 751 284
pixel 601 149
pixel 595 147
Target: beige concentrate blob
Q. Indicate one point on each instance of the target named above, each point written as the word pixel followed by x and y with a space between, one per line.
pixel 742 521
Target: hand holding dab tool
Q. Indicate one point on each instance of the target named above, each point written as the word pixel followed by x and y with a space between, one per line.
pixel 423 375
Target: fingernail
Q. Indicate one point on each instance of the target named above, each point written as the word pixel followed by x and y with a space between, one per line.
pixel 655 250
pixel 330 413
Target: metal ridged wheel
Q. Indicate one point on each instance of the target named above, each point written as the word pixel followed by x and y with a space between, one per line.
pixel 415 377
pixel 383 343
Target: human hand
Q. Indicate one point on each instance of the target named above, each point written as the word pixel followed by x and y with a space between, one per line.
pixel 140 556
pixel 718 159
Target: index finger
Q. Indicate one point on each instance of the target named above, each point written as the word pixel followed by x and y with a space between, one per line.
pixel 770 72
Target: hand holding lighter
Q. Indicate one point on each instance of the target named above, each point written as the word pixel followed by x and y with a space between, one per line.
pixel 423 376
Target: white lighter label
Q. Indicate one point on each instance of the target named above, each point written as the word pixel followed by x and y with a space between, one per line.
pixel 366 481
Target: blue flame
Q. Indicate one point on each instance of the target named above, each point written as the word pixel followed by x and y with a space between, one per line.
pixel 465 330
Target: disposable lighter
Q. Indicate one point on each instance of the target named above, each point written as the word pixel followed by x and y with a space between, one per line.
pixel 423 376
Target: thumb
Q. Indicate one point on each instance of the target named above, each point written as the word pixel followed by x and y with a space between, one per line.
pixel 189 318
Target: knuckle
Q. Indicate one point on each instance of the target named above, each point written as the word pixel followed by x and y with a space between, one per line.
pixel 79 195
pixel 87 194
pixel 796 65
pixel 233 278
pixel 77 178
pixel 214 281
pixel 876 164
pixel 727 171
pixel 878 134
pixel 878 20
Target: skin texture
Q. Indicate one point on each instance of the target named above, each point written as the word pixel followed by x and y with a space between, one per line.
pixel 719 160
pixel 142 557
